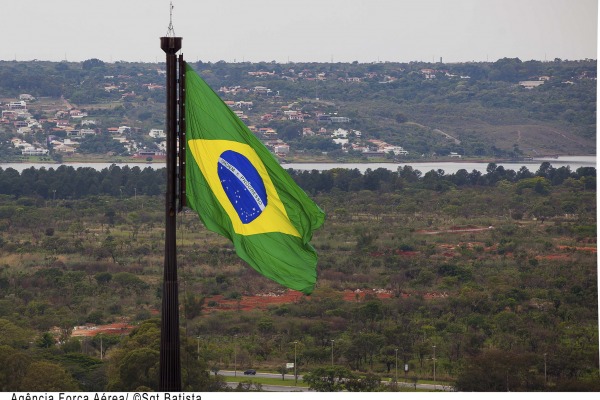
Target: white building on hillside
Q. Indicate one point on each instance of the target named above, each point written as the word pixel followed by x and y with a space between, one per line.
pixel 340 133
pixel 397 150
pixel 157 134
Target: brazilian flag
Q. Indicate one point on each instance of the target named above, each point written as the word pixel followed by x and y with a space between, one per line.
pixel 241 192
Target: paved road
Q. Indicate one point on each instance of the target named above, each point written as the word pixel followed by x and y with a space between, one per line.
pixel 288 377
pixel 288 384
pixel 276 388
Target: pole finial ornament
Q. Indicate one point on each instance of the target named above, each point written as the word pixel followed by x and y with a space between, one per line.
pixel 170 30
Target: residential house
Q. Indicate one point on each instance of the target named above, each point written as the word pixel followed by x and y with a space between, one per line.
pixel 359 148
pixel 157 133
pixel 72 132
pixel 340 141
pixel 281 149
pixel 244 104
pixel 339 119
pixel 62 148
pixel 268 131
pixel 397 150
pixel 233 90
pixel 373 154
pixel 262 90
pixel 123 130
pixel 19 143
pixel 340 133
pixel 428 73
pixel 17 105
pixel 34 151
pixel 152 86
pixel 24 130
pixel 86 131
pixel 70 142
pixel 149 153
pixel 261 74
pixel 121 139
pixel 9 114
pixel 77 114
pixel 126 95
pixel 294 115
pixel 271 143
pixel 531 84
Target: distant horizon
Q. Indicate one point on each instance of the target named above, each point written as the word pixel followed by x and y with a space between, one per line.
pixel 235 61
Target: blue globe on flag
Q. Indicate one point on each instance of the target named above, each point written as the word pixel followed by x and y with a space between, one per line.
pixel 243 185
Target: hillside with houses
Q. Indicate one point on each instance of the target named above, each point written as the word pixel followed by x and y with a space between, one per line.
pixel 380 111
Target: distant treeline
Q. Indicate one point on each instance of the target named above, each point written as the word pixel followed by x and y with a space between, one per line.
pixel 384 180
pixel 67 182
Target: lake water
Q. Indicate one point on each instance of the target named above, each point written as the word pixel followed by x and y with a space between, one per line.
pixel 449 167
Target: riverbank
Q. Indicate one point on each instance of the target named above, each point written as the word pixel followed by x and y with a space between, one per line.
pixel 103 159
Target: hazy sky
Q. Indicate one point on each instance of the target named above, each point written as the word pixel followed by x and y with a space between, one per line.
pixel 303 30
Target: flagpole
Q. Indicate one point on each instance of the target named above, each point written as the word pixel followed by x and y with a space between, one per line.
pixel 170 362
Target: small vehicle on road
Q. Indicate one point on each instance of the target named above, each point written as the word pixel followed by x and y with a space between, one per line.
pixel 250 372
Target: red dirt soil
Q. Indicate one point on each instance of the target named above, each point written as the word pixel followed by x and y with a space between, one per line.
pixel 121 328
pixel 263 301
pixel 590 249
pixel 457 229
pixel 556 257
pixel 247 303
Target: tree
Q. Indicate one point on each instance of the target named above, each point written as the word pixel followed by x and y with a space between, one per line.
pixel 12 335
pixel 135 362
pixel 331 379
pixel 401 118
pixel 291 132
pixel 103 278
pixel 46 341
pixel 44 376
pixel 283 370
pixel 499 371
pixel 92 63
pixel 13 367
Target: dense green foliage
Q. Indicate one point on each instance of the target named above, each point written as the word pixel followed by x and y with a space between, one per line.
pixel 498 271
pixel 66 182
